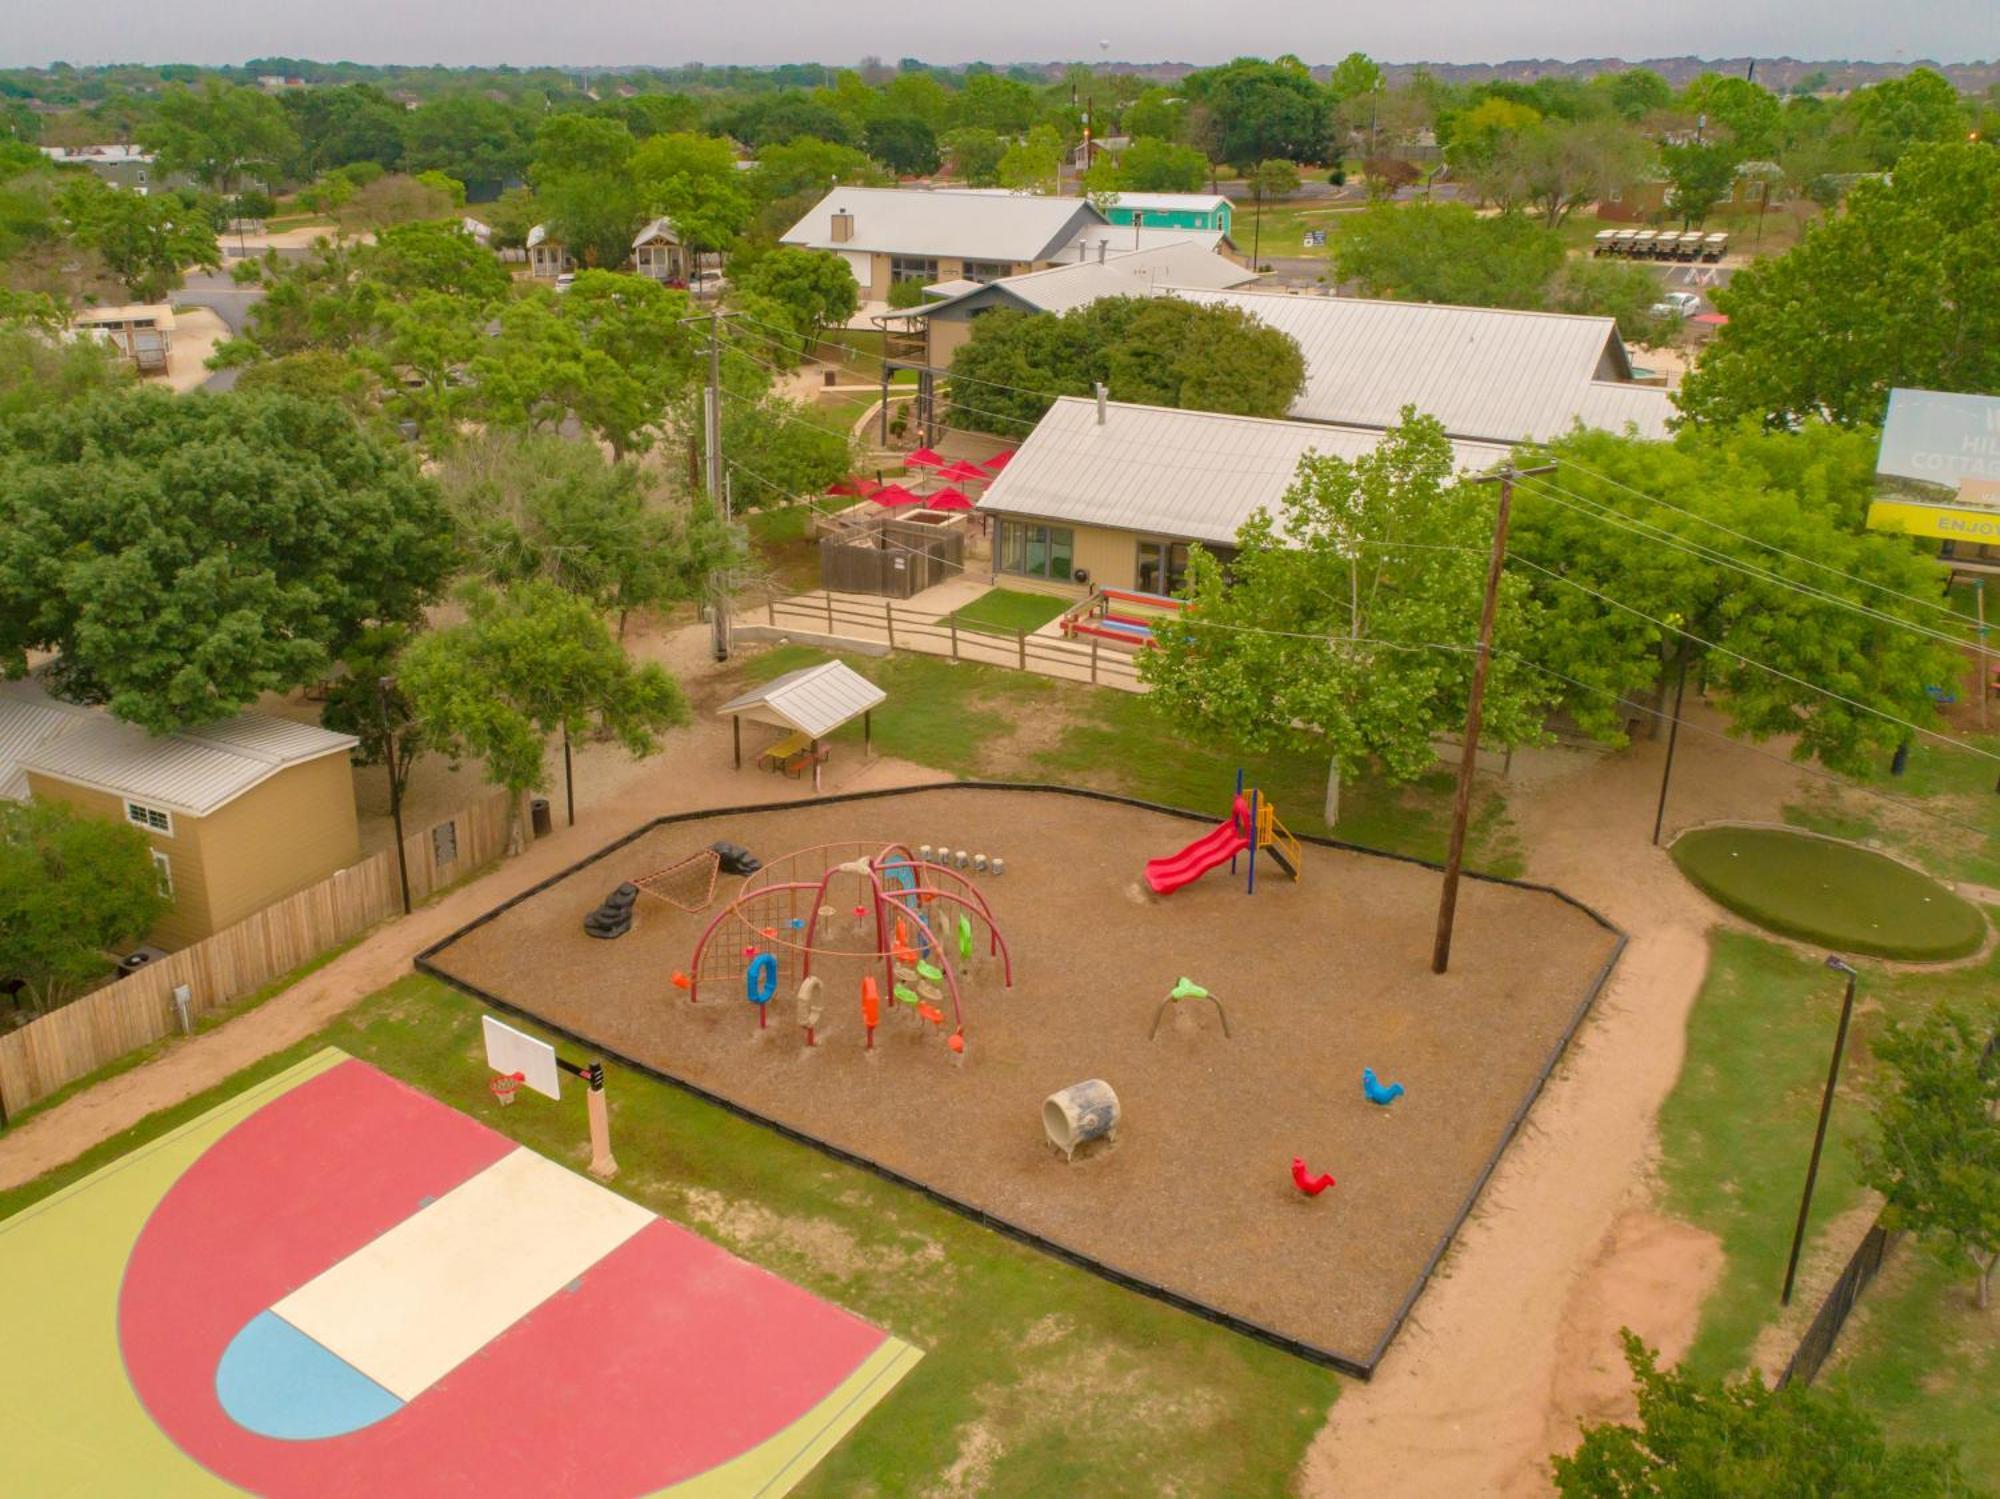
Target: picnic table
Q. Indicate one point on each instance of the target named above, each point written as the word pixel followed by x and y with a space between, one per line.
pixel 776 756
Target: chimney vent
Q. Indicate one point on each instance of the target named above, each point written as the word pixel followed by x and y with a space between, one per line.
pixel 1102 392
pixel 843 226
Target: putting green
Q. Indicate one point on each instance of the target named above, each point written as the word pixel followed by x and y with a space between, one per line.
pixel 1836 894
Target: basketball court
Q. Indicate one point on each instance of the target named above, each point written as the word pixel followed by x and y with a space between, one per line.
pixel 333 1284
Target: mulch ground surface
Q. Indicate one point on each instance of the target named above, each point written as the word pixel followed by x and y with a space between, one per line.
pixel 1319 978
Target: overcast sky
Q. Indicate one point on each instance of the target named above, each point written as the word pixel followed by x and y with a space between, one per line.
pixel 632 32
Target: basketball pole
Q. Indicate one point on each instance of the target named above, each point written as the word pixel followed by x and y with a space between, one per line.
pixel 602 1165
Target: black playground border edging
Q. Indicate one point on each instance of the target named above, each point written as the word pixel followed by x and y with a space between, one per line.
pixel 1312 1353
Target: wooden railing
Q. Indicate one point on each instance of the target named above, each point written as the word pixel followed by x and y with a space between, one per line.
pixel 104 1025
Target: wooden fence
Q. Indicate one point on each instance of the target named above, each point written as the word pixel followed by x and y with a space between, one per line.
pixel 894 558
pixel 102 1026
pixel 905 629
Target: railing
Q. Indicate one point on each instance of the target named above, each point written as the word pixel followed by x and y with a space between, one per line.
pixel 104 1025
pixel 871 622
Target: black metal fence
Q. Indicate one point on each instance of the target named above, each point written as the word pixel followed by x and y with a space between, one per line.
pixel 1815 1347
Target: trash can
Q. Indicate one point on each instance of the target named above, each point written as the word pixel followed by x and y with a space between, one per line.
pixel 538 811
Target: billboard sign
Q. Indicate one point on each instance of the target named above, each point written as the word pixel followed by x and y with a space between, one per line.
pixel 1938 471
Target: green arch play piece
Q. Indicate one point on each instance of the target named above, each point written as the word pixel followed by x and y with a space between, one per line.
pixel 1830 893
pixel 1187 988
pixel 905 996
pixel 928 972
pixel 964 937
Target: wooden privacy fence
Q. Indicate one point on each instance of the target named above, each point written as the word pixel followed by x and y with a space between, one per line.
pixel 104 1025
pixel 905 629
pixel 895 558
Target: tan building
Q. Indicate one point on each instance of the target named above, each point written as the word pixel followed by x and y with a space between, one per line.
pixel 1110 495
pixel 547 258
pixel 239 813
pixel 142 332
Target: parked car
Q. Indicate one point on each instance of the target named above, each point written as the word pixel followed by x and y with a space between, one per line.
pixel 1680 304
pixel 566 280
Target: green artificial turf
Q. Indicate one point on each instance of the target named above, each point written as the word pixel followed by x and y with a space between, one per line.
pixel 1004 611
pixel 1824 891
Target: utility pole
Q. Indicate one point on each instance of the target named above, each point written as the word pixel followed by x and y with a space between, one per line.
pixel 1475 705
pixel 1673 737
pixel 1839 965
pixel 385 688
pixel 718 581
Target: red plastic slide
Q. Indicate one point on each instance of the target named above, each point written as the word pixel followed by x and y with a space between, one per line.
pixel 1224 841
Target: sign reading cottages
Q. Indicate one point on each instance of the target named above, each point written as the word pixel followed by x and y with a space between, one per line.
pixel 1938 472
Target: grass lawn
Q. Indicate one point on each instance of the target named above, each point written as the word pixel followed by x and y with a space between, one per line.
pixel 997 724
pixel 1962 842
pixel 1038 1378
pixel 1817 890
pixel 1004 611
pixel 781 546
pixel 1736 1130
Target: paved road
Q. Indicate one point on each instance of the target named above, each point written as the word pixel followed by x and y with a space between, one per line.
pixel 232 303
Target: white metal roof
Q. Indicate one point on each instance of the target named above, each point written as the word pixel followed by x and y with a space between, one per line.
pixel 100 155
pixel 29 718
pixel 965 226
pixel 1486 373
pixel 815 701
pixel 155 314
pixel 661 229
pixel 1618 406
pixel 1117 237
pixel 1191 474
pixel 1179 262
pixel 196 771
pixel 537 235
pixel 1171 202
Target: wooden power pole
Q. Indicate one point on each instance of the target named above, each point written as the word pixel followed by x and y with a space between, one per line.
pixel 1475 704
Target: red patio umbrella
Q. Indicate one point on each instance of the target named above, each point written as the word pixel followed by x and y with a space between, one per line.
pixel 962 472
pixel 947 499
pixel 892 495
pixel 857 485
pixel 998 461
pixel 924 458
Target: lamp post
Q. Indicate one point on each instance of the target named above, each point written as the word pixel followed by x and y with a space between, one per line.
pixel 1839 965
pixel 385 687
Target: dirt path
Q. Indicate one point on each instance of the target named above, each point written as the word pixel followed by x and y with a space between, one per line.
pixel 1517 1338
pixel 614 793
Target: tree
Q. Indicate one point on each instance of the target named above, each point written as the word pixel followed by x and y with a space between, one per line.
pixel 1936 1153
pixel 1032 163
pixel 388 201
pixel 1476 143
pixel 777 449
pixel 1559 166
pixel 338 125
pixel 693 180
pixel 1615 289
pixel 185 556
pixel 38 373
pixel 1157 114
pixel 785 116
pixel 815 287
pixel 1793 592
pixel 72 887
pixel 904 144
pixel 527 663
pixel 1636 93
pixel 1353 76
pixel 145 242
pixel 805 165
pixel 1745 1440
pixel 219 133
pixel 439 257
pixel 1002 105
pixel 544 508
pixel 580 145
pixel 1897 113
pixel 1158 351
pixel 1703 173
pixel 1274 179
pixel 1902 289
pixel 1152 165
pixel 972 154
pixel 1446 252
pixel 1254 111
pixel 483 143
pixel 1324 635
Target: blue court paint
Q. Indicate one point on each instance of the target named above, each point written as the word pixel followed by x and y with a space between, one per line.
pixel 274 1380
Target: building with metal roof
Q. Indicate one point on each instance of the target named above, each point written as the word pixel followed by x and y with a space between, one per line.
pixel 1489 374
pixel 29 718
pixel 1172 210
pixel 810 704
pixel 1110 494
pixel 239 813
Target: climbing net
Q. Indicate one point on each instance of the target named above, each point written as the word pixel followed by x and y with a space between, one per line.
pixel 689 884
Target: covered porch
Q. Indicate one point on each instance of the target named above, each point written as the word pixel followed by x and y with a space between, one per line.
pixel 807 706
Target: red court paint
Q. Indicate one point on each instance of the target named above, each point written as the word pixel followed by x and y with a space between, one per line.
pixel 669 1357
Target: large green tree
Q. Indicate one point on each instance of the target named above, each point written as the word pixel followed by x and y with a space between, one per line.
pixel 815 287
pixel 219 133
pixel 1902 289
pixel 1739 1438
pixel 1158 351
pixel 72 888
pixel 1152 165
pixel 1342 628
pixel 1253 110
pixel 184 555
pixel 1935 1157
pixel 1446 252
pixel 146 242
pixel 483 143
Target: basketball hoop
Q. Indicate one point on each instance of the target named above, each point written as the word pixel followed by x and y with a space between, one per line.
pixel 506 1084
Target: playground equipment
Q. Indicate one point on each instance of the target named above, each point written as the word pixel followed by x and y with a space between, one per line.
pixel 1252 826
pixel 1379 1093
pixel 1307 1183
pixel 688 883
pixel 810 1008
pixel 1187 988
pixel 1079 1114
pixel 1122 616
pixel 736 859
pixel 613 918
pixel 784 926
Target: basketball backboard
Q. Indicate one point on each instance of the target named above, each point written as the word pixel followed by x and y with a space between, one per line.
pixel 509 1051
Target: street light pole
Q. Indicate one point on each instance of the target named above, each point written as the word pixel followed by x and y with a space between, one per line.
pixel 1839 965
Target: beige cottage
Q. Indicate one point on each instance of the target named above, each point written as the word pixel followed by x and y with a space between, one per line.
pixel 239 813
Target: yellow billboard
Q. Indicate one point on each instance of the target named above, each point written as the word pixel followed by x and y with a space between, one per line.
pixel 1942 522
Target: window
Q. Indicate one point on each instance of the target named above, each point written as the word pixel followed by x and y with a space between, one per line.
pixel 984 271
pixel 1037 551
pixel 163 869
pixel 152 819
pixel 912 268
pixel 1162 566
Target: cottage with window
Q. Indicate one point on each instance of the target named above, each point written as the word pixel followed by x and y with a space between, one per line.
pixel 547 258
pixel 657 253
pixel 239 813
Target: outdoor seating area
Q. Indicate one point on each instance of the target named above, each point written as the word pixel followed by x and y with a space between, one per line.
pixel 809 705
pixel 1660 244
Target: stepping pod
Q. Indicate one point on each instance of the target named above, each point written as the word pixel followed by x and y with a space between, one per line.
pixel 1379 1093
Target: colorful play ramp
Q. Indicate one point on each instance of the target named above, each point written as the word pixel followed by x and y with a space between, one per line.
pixel 334 1285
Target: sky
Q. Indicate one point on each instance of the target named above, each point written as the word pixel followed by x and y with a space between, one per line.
pixel 637 32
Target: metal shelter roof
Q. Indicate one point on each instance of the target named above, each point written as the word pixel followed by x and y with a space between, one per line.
pixel 196 771
pixel 957 226
pixel 1489 374
pixel 1197 475
pixel 814 701
pixel 1184 262
pixel 29 718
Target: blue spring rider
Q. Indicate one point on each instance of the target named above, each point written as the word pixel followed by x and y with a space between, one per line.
pixel 1376 1091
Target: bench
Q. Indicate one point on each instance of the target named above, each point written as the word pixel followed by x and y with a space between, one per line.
pixel 775 756
pixel 795 765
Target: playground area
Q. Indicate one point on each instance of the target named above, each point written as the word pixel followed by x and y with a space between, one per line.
pixel 331 1283
pixel 1211 1187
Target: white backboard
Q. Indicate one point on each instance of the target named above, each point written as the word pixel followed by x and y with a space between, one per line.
pixel 509 1051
